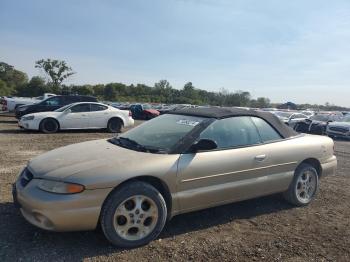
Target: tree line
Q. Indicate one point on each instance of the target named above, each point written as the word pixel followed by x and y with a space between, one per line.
pixel 15 82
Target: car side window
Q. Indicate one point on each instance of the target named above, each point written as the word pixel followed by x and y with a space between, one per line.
pixel 80 108
pixel 232 132
pixel 266 131
pixel 54 101
pixel 96 107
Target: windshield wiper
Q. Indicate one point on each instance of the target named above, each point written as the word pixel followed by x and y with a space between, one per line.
pixel 132 144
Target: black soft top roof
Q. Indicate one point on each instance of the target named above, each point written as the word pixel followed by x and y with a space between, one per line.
pixel 225 112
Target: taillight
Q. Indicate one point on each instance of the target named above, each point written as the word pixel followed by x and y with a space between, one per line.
pixel 130 114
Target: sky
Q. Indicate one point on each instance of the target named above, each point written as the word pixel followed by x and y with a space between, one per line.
pixel 295 51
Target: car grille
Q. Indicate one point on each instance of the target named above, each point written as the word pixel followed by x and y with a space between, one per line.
pixel 26 177
pixel 339 129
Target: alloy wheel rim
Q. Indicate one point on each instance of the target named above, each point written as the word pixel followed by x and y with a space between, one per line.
pixel 135 218
pixel 306 186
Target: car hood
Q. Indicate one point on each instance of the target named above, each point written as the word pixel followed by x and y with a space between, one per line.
pixel 40 115
pixel 23 107
pixel 340 124
pixel 97 163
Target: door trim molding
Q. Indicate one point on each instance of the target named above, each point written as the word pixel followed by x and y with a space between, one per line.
pixel 235 172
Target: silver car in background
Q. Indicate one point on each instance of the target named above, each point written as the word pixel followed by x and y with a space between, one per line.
pixel 340 128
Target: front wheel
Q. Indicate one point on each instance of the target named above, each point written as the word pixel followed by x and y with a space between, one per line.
pixel 304 186
pixel 133 215
pixel 49 126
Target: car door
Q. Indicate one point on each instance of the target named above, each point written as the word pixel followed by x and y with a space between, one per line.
pixel 242 166
pixel 76 117
pixel 98 116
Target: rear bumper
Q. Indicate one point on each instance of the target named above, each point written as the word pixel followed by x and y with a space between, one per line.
pixel 330 166
pixel 129 122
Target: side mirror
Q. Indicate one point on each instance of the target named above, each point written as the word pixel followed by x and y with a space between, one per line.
pixel 203 145
pixel 67 111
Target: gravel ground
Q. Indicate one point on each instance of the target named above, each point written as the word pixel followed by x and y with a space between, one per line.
pixel 264 229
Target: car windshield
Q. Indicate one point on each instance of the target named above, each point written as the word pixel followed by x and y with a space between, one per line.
pixel 160 134
pixel 324 118
pixel 61 109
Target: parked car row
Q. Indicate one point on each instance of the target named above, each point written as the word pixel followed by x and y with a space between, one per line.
pixel 306 121
pixel 334 124
pixel 61 112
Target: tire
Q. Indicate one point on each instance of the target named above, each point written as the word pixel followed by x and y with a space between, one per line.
pixel 114 125
pixel 133 209
pixel 304 186
pixel 49 126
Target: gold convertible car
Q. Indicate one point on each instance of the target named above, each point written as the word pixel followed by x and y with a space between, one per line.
pixel 185 160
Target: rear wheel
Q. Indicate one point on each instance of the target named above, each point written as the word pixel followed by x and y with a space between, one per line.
pixel 304 186
pixel 48 126
pixel 133 215
pixel 114 125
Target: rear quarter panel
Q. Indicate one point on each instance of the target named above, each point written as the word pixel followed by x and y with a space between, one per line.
pixel 300 148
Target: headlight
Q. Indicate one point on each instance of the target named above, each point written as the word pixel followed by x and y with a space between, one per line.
pixel 60 187
pixel 26 118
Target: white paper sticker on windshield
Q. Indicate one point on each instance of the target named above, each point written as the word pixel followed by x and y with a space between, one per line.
pixel 187 122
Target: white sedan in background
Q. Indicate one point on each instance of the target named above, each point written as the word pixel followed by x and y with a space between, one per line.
pixel 295 118
pixel 83 115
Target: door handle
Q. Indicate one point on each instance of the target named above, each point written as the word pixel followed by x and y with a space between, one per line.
pixel 260 158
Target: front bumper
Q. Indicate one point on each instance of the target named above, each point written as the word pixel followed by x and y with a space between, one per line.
pixel 59 212
pixel 29 124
